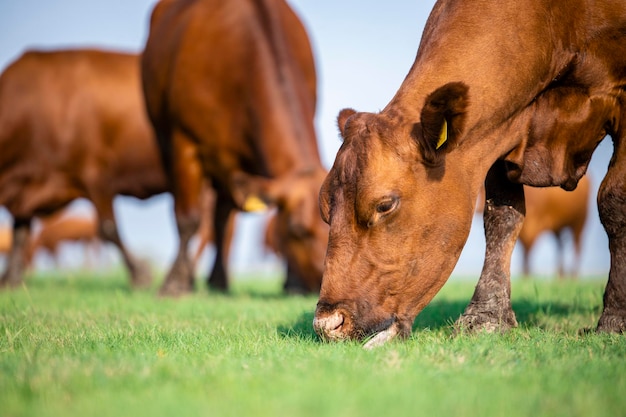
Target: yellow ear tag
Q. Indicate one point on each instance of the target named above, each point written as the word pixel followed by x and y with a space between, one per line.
pixel 443 135
pixel 254 203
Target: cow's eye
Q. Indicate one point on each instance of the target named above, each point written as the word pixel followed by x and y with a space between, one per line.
pixel 387 205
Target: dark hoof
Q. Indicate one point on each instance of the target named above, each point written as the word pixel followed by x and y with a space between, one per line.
pixel 485 322
pixel 218 287
pixel 611 323
pixel 142 277
pixel 218 283
pixel 175 290
pixel 10 281
pixel 9 284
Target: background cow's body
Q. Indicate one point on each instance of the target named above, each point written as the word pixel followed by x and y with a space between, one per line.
pixel 553 210
pixel 230 89
pixel 511 91
pixel 65 229
pixel 72 125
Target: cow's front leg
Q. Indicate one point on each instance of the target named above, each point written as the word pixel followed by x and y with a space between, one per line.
pixel 16 261
pixel 612 210
pixel 140 276
pixel 223 222
pixel 490 308
pixel 186 178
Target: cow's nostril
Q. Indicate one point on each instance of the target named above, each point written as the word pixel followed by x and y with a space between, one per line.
pixel 329 326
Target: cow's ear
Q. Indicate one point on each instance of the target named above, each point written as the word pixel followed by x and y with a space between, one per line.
pixel 343 117
pixel 441 121
pixel 251 193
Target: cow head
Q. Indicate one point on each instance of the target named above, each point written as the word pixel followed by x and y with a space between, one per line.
pixel 301 233
pixel 389 251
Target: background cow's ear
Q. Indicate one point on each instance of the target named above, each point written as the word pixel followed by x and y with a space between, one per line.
pixel 441 121
pixel 251 193
pixel 343 117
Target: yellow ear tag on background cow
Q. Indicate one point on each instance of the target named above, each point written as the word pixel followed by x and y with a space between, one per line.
pixel 443 135
pixel 254 203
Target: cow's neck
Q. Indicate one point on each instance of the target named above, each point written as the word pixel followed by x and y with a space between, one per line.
pixel 505 69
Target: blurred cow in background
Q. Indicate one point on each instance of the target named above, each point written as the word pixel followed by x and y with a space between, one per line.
pixel 65 228
pixel 230 88
pixel 73 124
pixel 554 210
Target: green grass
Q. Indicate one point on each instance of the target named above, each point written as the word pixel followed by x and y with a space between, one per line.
pixel 87 346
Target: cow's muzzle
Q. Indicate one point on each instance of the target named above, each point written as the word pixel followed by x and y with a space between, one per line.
pixel 331 326
pixel 338 325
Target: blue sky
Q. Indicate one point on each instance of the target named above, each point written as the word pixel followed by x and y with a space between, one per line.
pixel 364 49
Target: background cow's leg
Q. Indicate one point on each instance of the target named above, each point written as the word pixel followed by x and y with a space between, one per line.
pixel 140 276
pixel 560 255
pixel 525 260
pixel 293 283
pixel 490 307
pixel 224 221
pixel 180 278
pixel 612 209
pixel 186 177
pixel 16 261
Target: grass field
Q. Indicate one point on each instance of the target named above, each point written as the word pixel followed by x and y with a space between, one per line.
pixel 87 346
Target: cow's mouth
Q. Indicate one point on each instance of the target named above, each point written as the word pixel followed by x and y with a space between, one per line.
pixel 338 326
pixel 383 336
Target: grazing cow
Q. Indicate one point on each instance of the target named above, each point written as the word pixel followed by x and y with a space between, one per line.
pixel 556 211
pixel 230 88
pixel 512 92
pixel 62 229
pixel 73 124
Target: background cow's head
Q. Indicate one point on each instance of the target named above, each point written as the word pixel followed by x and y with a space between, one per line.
pixel 384 198
pixel 301 233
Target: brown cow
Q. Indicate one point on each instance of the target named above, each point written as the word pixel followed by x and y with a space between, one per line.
pixel 231 91
pixel 555 210
pixel 73 124
pixel 509 93
pixel 66 228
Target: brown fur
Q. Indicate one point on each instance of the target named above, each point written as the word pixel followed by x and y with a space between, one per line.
pixel 231 91
pixel 72 125
pixel 543 85
pixel 555 211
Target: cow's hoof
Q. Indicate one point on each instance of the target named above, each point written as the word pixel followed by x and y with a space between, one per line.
pixel 611 323
pixel 485 322
pixel 142 277
pixel 10 281
pixel 218 283
pixel 218 287
pixel 175 289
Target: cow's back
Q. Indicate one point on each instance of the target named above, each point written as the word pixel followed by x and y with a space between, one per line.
pixel 71 122
pixel 228 75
